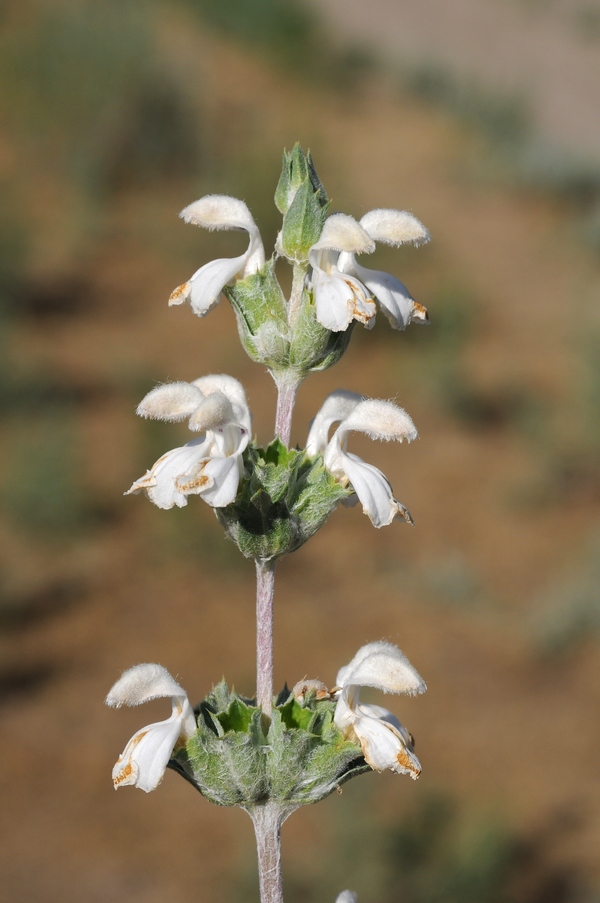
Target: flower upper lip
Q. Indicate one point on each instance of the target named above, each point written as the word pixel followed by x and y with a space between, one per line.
pixel 145 758
pixel 386 744
pixel 379 420
pixel 217 211
pixel 210 466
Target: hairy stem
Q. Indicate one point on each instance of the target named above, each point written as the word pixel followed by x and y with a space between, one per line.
pixel 298 279
pixel 265 590
pixel 267 827
pixel 287 387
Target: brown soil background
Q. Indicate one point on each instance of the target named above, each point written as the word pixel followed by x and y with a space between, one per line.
pixel 500 729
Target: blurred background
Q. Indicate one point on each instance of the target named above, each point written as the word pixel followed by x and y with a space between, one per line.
pixel 483 119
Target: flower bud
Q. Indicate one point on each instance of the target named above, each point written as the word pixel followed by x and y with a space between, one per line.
pixel 302 199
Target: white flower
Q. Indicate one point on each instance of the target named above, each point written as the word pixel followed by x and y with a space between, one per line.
pixel 210 466
pixel 339 297
pixel 379 420
pixel 217 211
pixel 346 896
pixel 144 760
pixel 393 227
pixel 384 741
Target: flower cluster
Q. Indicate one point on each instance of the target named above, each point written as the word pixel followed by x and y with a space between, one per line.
pixel 384 742
pixel 212 465
pixel 343 290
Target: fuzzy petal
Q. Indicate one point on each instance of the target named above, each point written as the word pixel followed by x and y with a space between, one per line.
pixel 378 420
pixel 234 391
pixel 394 299
pixel 342 233
pixel 383 666
pixel 336 407
pixel 142 683
pixel 213 412
pixel 171 401
pixel 394 227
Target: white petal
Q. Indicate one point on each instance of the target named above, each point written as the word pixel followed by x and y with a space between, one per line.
pixel 219 211
pixel 214 411
pixel 234 391
pixel 145 758
pixel 377 711
pixel 393 297
pixel 344 715
pixel 346 896
pixel 383 666
pixel 384 747
pixel 379 420
pixel 335 408
pixel 159 482
pixel 394 227
pixel 208 282
pixel 216 480
pixel 339 299
pixel 342 233
pixel 172 401
pixel 373 490
pixel 333 302
pixel 141 684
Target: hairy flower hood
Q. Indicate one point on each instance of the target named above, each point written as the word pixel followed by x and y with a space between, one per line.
pixel 217 211
pixel 386 744
pixel 145 758
pixel 378 420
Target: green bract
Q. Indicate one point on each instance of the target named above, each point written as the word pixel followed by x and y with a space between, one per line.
pixel 312 346
pixel 235 760
pixel 284 499
pixel 261 314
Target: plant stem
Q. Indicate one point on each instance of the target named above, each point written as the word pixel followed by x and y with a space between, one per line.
pixel 265 590
pixel 267 820
pixel 298 279
pixel 287 387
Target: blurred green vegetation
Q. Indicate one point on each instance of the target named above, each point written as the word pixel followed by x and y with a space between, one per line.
pixel 567 614
pixel 290 34
pixel 42 490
